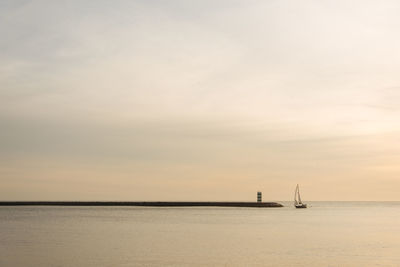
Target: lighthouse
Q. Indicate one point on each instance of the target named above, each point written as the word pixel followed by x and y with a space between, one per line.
pixel 259 197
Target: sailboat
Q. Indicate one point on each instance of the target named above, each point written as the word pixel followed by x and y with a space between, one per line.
pixel 297 200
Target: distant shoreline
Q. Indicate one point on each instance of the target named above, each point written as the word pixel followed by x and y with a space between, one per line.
pixel 143 204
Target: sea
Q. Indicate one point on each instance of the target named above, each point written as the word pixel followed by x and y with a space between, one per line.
pixel 325 234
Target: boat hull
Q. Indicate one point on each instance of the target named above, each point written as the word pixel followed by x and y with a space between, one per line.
pixel 301 206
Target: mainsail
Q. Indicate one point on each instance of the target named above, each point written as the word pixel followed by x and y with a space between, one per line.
pixel 297 198
pixel 298 193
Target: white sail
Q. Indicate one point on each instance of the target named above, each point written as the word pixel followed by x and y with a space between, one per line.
pixel 298 193
pixel 297 199
pixel 295 195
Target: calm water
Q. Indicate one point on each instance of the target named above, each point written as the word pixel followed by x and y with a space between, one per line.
pixel 326 234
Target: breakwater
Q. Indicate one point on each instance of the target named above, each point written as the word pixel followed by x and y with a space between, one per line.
pixel 143 204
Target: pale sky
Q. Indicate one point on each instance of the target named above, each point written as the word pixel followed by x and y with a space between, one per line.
pixel 199 100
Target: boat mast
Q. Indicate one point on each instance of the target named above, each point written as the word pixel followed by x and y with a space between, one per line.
pixel 298 192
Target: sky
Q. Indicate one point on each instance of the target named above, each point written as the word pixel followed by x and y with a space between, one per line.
pixel 199 100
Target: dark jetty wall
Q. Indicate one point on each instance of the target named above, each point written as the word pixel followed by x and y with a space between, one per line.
pixel 145 204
